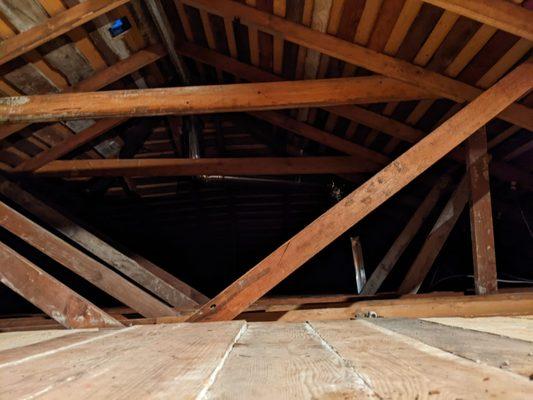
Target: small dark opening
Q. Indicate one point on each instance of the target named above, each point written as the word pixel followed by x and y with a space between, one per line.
pixel 119 26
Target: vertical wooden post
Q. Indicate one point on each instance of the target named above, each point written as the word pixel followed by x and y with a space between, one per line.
pixel 481 214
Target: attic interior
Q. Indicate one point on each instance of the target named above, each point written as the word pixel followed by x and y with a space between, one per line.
pixel 265 160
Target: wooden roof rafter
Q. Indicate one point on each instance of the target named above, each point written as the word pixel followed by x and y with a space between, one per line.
pixel 297 250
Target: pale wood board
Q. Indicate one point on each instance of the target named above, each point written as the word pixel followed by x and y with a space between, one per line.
pixel 140 362
pixel 285 361
pixel 509 354
pixel 11 340
pixel 332 360
pixel 518 329
pixel 396 366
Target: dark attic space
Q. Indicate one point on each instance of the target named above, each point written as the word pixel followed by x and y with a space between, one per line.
pixel 345 187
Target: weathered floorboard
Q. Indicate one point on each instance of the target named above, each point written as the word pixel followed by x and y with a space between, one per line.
pixel 509 354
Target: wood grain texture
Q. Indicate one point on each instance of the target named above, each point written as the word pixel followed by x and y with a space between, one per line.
pixel 48 294
pixel 500 14
pixel 54 27
pixel 354 207
pixel 285 361
pixel 78 262
pixel 508 354
pixel 361 56
pixel 396 366
pixel 178 358
pixel 207 99
pixel 481 226
pixel 140 270
pixel 417 307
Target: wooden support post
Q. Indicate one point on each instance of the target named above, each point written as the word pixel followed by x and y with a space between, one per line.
pixel 206 166
pixel 54 27
pixel 47 293
pixel 436 239
pixel 81 264
pixel 355 54
pixel 404 238
pixel 485 278
pixel 354 207
pixel 207 99
pixel 141 271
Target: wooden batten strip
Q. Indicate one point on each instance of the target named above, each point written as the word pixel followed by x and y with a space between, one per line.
pixel 500 14
pixel 358 55
pixel 55 26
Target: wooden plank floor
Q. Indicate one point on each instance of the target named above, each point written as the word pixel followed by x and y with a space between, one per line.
pixel 371 358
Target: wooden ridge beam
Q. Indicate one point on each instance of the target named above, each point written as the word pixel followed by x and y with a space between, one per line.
pixel 500 14
pixel 103 78
pixel 404 238
pixel 54 27
pixel 138 269
pixel 48 294
pixel 205 166
pixel 206 99
pixel 436 239
pixel 354 207
pixel 481 226
pixel 355 54
pixel 78 262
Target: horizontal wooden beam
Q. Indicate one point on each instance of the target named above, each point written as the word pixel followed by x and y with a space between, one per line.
pixel 75 260
pixel 414 307
pixel 366 198
pixel 54 27
pixel 501 14
pixel 355 54
pixel 48 294
pixel 204 166
pixel 206 99
pixel 99 80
